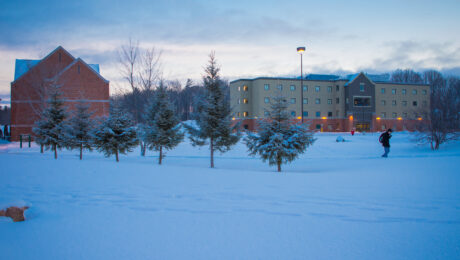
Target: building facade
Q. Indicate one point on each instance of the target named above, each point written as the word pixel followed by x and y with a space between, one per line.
pixel 77 81
pixel 333 103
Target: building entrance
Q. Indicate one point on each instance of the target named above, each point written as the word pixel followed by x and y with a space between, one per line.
pixel 363 126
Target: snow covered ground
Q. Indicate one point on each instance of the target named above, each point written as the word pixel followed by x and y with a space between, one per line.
pixel 337 201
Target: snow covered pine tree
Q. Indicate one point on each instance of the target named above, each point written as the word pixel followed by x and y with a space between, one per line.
pixel 115 134
pixel 213 116
pixel 161 129
pixel 78 129
pixel 49 130
pixel 279 140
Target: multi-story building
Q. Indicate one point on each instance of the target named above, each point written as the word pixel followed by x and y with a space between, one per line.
pixel 333 103
pixel 77 80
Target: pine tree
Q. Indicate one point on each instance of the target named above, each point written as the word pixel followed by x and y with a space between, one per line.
pixel 279 140
pixel 78 131
pixel 49 130
pixel 115 134
pixel 213 116
pixel 161 129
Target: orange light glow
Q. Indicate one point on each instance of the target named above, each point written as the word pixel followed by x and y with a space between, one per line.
pixel 419 119
pixel 324 117
pixel 399 118
pixel 351 117
pixel 233 118
pixel 299 117
pixel 378 118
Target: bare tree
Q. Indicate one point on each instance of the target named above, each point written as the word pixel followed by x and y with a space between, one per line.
pixel 406 76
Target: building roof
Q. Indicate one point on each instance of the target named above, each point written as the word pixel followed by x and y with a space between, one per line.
pixel 322 77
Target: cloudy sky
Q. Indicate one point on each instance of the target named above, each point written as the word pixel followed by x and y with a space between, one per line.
pixel 250 38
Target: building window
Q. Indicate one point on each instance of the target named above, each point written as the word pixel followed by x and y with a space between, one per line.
pixel 415 115
pixel 424 92
pixel 329 101
pixel 292 87
pixel 361 101
pixel 317 88
pixel 267 87
pixel 305 100
pixel 393 103
pixel 245 114
pixel 305 113
pixel 361 87
pixel 393 91
pixel 239 101
pixel 279 87
pixel 404 115
pixel 414 92
pixel 246 127
pixel 337 113
pixel 266 113
pixel 317 101
pixel 346 100
pixel 404 103
pixel 305 88
pixel 329 114
pixel 403 91
pixel 382 90
pixel 424 103
pixel 337 88
pixel 337 100
pixel 245 100
pixel 383 115
pixel 245 88
pixel 318 126
pixel 267 100
pixel 318 114
pixel 394 115
pixel 384 127
pixel 238 114
pixel 293 113
pixel 383 102
pixel 292 100
pixel 414 103
pixel 239 88
pixel 329 89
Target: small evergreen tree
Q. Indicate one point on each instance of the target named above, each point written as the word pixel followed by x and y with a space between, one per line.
pixel 279 140
pixel 49 130
pixel 78 131
pixel 161 129
pixel 213 116
pixel 115 134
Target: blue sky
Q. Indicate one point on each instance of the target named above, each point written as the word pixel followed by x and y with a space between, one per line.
pixel 250 38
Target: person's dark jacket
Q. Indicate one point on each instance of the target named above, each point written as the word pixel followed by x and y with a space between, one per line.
pixel 385 139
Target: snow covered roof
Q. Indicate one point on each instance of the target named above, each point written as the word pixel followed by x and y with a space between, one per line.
pixel 22 66
pixel 322 77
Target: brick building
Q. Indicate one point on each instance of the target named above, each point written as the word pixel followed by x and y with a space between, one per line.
pixel 77 80
pixel 333 103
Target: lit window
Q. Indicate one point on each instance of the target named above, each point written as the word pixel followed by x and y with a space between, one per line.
pixel 393 103
pixel 317 88
pixel 305 88
pixel 245 88
pixel 394 115
pixel 382 90
pixel 305 100
pixel 239 88
pixel 280 87
pixel 317 101
pixel 245 100
pixel 414 92
pixel 318 114
pixel 361 87
pixel 238 114
pixel 305 113
pixel 383 115
pixel 292 100
pixel 414 103
pixel 393 91
pixel 362 101
pixel 337 100
pixel 292 113
pixel 267 87
pixel 245 114
pixel 403 91
pixel 404 103
pixel 267 100
pixel 383 102
pixel 292 87
pixel 329 101
pixel 424 92
pixel 329 114
pixel 329 89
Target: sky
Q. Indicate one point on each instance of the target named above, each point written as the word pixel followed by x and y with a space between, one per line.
pixel 250 38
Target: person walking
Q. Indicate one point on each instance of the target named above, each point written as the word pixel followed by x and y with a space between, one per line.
pixel 384 139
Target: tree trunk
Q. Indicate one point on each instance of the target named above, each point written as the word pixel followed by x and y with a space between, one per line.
pixel 161 155
pixel 436 146
pixel 279 166
pixel 143 146
pixel 81 151
pixel 212 152
pixel 41 148
pixel 116 155
pixel 55 151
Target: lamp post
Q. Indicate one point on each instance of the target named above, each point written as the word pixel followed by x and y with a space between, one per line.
pixel 301 50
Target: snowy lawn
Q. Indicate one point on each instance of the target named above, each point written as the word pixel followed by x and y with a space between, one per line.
pixel 337 201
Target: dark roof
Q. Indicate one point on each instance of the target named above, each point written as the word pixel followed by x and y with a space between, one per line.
pixel 322 77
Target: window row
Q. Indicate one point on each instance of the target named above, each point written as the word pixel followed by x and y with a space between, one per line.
pixel 244 88
pixel 244 114
pixel 403 91
pixel 403 103
pixel 400 116
pixel 305 88
pixel 305 101
pixel 305 114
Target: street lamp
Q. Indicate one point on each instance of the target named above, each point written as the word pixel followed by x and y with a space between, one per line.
pixel 301 50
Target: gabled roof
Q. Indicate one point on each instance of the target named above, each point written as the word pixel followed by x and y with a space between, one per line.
pixel 90 66
pixel 355 76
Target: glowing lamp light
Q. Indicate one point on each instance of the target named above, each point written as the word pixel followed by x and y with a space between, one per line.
pixel 350 117
pixel 324 117
pixel 300 49
pixel 378 118
pixel 299 117
pixel 233 118
pixel 419 119
pixel 399 118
